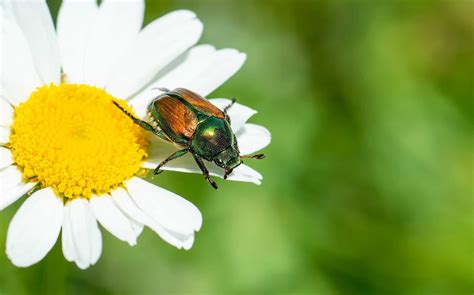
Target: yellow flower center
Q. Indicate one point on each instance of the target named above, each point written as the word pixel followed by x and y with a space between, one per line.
pixel 74 139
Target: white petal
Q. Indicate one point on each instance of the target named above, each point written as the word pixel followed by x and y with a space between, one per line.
pixel 35 228
pixel 113 220
pixel 252 138
pixel 69 249
pixel 202 70
pixel 115 30
pixel 6 158
pixel 34 19
pixel 157 45
pixel 244 173
pixel 238 113
pixel 123 200
pixel 180 241
pixel 13 194
pixel 3 16
pixel 6 111
pixel 137 228
pixel 4 134
pixel 172 238
pixel 169 210
pixel 12 186
pixel 75 20
pixel 19 77
pixel 140 105
pixel 85 233
pixel 159 150
pixel 188 244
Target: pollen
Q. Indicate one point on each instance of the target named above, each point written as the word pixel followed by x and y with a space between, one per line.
pixel 74 139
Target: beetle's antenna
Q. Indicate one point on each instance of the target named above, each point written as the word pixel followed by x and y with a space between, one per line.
pixel 257 156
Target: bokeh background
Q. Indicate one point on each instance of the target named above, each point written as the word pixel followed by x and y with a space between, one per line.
pixel 368 182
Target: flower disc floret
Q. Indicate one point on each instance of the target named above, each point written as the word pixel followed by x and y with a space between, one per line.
pixel 74 139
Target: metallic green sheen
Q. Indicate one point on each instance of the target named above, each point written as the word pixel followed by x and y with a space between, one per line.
pixel 212 136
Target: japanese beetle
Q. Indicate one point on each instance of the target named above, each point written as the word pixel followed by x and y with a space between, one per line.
pixel 193 123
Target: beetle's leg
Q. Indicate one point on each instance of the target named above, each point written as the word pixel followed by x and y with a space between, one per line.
pixel 145 125
pixel 141 123
pixel 204 170
pixel 257 156
pixel 164 89
pixel 233 100
pixel 227 117
pixel 227 172
pixel 173 156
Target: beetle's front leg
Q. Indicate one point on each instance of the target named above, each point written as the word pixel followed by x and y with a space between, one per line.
pixel 145 125
pixel 204 170
pixel 141 123
pixel 173 156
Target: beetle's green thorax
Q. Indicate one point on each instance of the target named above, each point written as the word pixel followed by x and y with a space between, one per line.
pixel 212 136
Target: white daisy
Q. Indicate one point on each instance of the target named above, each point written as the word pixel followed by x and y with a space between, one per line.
pixel 70 151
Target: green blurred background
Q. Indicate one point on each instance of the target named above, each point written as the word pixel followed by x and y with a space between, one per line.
pixel 368 183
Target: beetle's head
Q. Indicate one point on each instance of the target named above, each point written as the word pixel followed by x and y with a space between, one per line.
pixel 228 159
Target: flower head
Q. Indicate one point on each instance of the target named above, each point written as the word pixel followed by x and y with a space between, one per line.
pixel 70 151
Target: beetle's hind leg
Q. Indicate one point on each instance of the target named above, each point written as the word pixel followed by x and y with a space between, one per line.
pixel 173 156
pixel 204 170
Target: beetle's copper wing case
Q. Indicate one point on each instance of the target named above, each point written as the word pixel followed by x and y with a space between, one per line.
pixel 176 119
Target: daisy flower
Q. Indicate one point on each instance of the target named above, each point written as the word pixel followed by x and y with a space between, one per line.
pixel 74 156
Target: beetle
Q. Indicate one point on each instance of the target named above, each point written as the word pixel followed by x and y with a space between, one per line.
pixel 197 126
